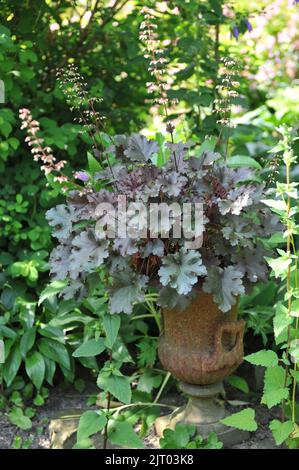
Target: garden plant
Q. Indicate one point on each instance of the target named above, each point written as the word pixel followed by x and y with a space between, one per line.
pixel 149 223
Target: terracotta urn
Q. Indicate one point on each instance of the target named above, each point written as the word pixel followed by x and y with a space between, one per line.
pixel 201 345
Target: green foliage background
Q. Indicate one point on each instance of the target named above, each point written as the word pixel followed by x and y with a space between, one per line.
pixel 101 38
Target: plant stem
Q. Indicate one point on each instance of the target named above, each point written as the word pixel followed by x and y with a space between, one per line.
pixel 288 286
pixel 164 383
pixel 105 442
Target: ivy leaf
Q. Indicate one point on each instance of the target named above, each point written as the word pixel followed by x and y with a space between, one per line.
pixel 90 423
pixel 225 285
pixel 140 149
pixel 281 431
pixel 60 218
pixel 124 435
pixel 265 358
pixel 244 420
pixel 127 289
pixel 181 270
pixel 90 348
pixel 87 253
pixel 275 388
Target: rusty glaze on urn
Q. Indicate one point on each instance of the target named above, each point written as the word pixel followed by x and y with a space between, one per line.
pixel 201 345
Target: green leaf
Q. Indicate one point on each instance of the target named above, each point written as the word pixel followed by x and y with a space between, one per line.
pixel 35 368
pixel 118 385
pixel 177 438
pixel 265 358
pixel 295 374
pixel 90 348
pixel 243 161
pixel 279 265
pixel 111 324
pixel 281 323
pixel 281 431
pixel 52 289
pixel 90 423
pixel 208 145
pixel 12 365
pixel 93 164
pixel 238 382
pixel 55 351
pixel 149 380
pixel 17 417
pixel 244 420
pixel 274 386
pixel 277 205
pixel 50 370
pixel 124 435
pixel 27 341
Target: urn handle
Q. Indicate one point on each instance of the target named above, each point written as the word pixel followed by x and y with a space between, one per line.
pixel 228 345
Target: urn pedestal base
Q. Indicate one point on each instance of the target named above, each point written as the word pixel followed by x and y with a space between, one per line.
pixel 204 411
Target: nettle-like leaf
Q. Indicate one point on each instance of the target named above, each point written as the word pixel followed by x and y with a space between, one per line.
pixel 265 358
pixel 275 386
pixel 87 254
pixel 181 270
pixel 281 430
pixel 244 420
pixel 140 149
pixel 60 218
pixel 128 288
pixel 225 285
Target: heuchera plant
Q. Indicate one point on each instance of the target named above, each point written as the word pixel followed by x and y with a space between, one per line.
pixel 235 221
